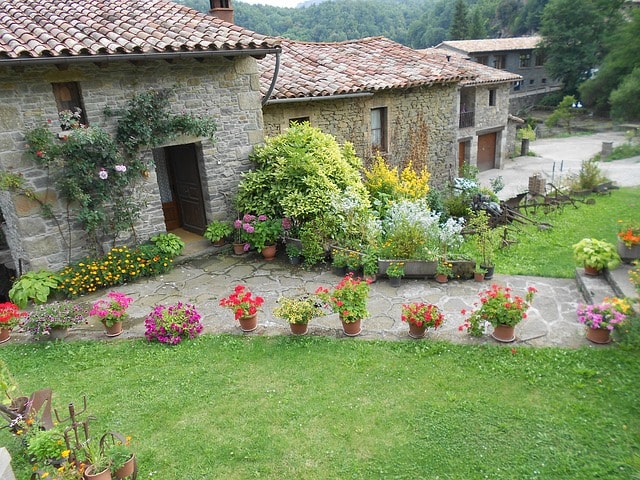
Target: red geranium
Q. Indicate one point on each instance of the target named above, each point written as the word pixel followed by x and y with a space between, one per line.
pixel 420 313
pixel 10 315
pixel 242 302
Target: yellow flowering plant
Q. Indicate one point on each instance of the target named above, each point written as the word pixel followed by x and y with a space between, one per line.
pixel 298 310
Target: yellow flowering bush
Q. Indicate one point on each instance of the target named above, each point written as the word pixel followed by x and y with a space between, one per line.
pixel 385 182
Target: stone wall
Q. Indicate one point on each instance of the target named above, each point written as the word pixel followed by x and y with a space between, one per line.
pixel 413 115
pixel 226 89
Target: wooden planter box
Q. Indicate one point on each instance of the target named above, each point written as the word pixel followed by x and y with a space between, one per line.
pixel 412 268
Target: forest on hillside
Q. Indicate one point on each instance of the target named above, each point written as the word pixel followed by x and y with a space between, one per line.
pixel 416 23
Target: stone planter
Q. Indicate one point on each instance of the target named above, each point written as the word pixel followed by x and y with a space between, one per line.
pixel 412 268
pixel 628 254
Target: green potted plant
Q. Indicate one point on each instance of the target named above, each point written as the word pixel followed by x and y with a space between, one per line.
pixel 395 271
pixel 293 252
pixel 298 311
pixel 420 316
pixel 112 312
pixel 487 240
pixel 349 300
pixel 169 243
pixel 34 286
pixel 217 231
pixel 595 255
pixel 263 233
pixel 53 319
pixel 98 463
pixel 122 461
pixel 370 264
pixel 443 270
pixel 45 446
pixel 501 308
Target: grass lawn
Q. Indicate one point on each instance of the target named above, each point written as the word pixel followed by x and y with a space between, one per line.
pixel 233 407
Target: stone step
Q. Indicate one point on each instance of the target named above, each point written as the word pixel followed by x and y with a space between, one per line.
pixel 613 283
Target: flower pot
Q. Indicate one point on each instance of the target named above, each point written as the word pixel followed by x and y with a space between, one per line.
pixel 442 278
pixel 269 252
pixel 128 469
pixel 339 271
pixel 592 271
pixel 488 272
pixel 478 276
pixel 504 333
pixel 598 335
pixel 249 323
pixel 238 249
pixel 219 243
pixel 628 254
pixel 395 281
pixel 371 278
pixel 58 333
pixel 352 329
pixel 89 474
pixel 113 330
pixel 5 334
pixel 412 268
pixel 416 331
pixel 294 260
pixel 298 328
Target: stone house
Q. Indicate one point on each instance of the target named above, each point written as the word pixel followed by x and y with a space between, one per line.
pixel 62 54
pixel 517 55
pixel 377 94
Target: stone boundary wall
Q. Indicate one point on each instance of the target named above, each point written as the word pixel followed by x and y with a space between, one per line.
pixel 226 89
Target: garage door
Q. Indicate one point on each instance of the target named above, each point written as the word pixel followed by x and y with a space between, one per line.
pixel 487 151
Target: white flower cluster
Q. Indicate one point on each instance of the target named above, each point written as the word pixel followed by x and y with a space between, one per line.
pixel 450 233
pixel 412 212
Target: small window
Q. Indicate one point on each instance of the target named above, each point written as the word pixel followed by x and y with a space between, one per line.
pixel 532 81
pixel 544 80
pixel 539 60
pixel 68 97
pixel 492 97
pixel 379 129
pixel 499 61
pixel 298 120
pixel 517 86
pixel 525 60
pixel 482 60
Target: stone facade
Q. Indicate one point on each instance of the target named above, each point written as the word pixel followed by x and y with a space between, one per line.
pixel 226 89
pixel 423 115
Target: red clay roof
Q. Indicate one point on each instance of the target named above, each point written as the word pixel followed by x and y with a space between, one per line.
pixel 481 74
pixel 367 65
pixel 492 44
pixel 78 28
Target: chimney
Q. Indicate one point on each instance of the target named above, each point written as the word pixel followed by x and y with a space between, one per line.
pixel 222 9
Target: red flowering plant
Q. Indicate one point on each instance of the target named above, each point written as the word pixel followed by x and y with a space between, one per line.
pixel 242 302
pixel 113 309
pixel 172 324
pixel 10 315
pixel 348 299
pixel 420 313
pixel 629 234
pixel 497 306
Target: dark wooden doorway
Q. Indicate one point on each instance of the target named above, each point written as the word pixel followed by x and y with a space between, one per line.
pixel 463 149
pixel 184 177
pixel 487 151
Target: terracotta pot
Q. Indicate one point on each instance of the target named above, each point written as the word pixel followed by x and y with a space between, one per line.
pixel 249 323
pixel 269 252
pixel 90 475
pixel 371 278
pixel 504 333
pixel 238 249
pixel 395 281
pixel 416 331
pixel 128 469
pixel 58 333
pixel 352 329
pixel 5 334
pixel 598 335
pixel 628 254
pixel 219 243
pixel 478 276
pixel 298 328
pixel 442 278
pixel 592 271
pixel 114 330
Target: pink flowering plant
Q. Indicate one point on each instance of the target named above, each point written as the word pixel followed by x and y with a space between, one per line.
pixel 258 231
pixel 422 314
pixel 173 323
pixel 497 306
pixel 348 299
pixel 44 317
pixel 112 309
pixel 242 302
pixel 605 315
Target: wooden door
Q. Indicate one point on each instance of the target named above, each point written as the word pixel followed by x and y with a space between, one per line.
pixel 462 156
pixel 184 174
pixel 487 151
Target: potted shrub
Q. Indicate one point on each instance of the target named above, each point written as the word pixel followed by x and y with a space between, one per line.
pixel 595 255
pixel 349 300
pixel 629 241
pixel 217 231
pixel 112 312
pixel 298 311
pixel 420 316
pixel 601 320
pixel 501 308
pixel 10 316
pixel 293 252
pixel 53 319
pixel 244 306
pixel 173 323
pixel 487 241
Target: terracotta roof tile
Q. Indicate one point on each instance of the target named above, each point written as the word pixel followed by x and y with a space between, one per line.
pixel 492 44
pixel 371 64
pixel 55 28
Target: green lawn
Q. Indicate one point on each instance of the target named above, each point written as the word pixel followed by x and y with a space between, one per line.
pixel 234 407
